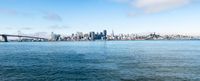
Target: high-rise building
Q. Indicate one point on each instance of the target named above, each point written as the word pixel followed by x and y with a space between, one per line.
pixel 55 37
pixel 92 35
pixel 113 34
pixel 52 36
pixel 105 34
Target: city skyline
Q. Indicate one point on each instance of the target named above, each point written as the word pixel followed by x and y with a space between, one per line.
pixel 122 16
pixel 93 36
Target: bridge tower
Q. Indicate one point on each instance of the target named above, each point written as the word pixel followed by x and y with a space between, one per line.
pixel 20 38
pixel 5 38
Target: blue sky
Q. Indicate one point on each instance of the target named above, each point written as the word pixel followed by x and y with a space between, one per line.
pixel 122 16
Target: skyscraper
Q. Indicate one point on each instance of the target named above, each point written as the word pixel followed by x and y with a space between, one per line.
pixel 55 37
pixel 92 36
pixel 105 34
pixel 113 34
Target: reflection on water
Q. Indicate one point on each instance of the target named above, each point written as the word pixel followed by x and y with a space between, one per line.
pixel 101 61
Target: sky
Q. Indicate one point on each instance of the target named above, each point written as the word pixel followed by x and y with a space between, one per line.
pixel 121 16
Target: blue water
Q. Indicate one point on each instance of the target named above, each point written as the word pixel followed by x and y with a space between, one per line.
pixel 100 61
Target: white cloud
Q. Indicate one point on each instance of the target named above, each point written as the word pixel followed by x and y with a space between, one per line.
pixel 8 11
pixel 60 27
pixel 52 16
pixel 153 6
pixel 123 1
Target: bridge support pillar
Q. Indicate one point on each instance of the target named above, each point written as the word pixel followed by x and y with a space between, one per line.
pixel 5 38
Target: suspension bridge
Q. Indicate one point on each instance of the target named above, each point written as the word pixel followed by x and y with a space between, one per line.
pixel 5 37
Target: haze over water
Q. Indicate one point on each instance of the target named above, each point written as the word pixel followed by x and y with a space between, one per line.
pixel 100 61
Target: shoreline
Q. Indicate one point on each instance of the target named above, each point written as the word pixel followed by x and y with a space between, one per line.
pixel 101 41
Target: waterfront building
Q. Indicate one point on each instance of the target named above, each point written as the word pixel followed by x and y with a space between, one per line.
pixel 55 37
pixel 92 35
pixel 105 35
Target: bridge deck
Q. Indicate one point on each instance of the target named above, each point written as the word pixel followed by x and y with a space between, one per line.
pixel 21 36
